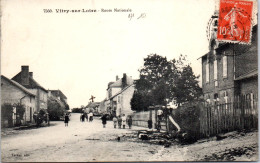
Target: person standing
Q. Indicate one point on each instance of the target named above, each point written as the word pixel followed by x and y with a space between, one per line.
pixel 115 121
pixel 90 116
pixel 86 115
pixel 119 121
pixel 83 118
pixel 130 122
pixel 66 120
pixel 104 120
pixel 123 121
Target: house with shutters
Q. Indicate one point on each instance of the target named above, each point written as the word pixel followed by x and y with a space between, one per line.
pixel 230 70
pixel 25 78
pixel 14 93
pixel 119 95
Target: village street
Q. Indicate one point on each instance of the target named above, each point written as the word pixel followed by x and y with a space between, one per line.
pixel 91 142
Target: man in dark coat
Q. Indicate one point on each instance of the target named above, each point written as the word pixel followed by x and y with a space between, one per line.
pixel 104 120
pixel 130 122
pixel 66 120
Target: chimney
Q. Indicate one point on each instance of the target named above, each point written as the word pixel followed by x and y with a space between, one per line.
pixel 124 81
pixel 31 74
pixel 117 78
pixel 25 75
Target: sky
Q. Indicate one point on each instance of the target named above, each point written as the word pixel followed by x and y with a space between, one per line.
pixel 80 53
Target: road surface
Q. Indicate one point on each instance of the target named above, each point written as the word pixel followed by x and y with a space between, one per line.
pixel 85 141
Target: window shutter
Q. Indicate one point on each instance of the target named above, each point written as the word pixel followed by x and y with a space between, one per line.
pixel 224 66
pixel 207 72
pixel 215 70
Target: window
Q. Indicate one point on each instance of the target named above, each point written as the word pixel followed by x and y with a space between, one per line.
pixel 207 72
pixel 215 70
pixel 225 66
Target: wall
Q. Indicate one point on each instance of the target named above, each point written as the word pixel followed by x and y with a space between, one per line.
pixel 141 118
pixel 12 94
pixel 41 98
pixel 249 86
pixel 247 56
pixel 126 100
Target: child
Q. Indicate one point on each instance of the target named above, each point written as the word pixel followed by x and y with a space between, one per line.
pixel 115 121
pixel 119 121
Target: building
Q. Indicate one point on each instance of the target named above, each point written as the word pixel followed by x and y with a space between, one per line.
pixel 25 78
pixel 58 94
pixel 121 101
pixel 93 107
pixel 119 95
pixel 14 93
pixel 229 70
pixel 102 107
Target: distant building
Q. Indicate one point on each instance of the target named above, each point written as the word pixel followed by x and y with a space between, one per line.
pixel 93 107
pixel 229 70
pixel 25 78
pixel 119 95
pixel 14 93
pixel 102 107
pixel 121 101
pixel 58 94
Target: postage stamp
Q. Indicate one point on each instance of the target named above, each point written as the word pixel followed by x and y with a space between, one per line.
pixel 235 21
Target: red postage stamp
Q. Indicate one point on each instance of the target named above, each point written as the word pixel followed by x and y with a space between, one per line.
pixel 235 21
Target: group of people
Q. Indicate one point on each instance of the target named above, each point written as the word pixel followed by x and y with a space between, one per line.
pixel 120 121
pixel 88 116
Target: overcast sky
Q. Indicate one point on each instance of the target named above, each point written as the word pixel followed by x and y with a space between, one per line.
pixel 79 53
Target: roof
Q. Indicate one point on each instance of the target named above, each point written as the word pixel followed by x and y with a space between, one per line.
pixel 59 92
pixel 32 82
pixel 122 91
pixel 22 88
pixel 93 104
pixel 118 83
pixel 250 74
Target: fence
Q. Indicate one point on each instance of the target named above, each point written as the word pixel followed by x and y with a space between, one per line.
pixel 221 118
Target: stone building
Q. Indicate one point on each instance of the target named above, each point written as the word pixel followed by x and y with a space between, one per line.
pixel 119 95
pixel 229 69
pixel 25 78
pixel 14 93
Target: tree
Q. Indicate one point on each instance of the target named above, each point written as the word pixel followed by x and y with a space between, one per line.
pixel 187 86
pixel 162 81
pixel 67 107
pixel 157 76
pixel 55 109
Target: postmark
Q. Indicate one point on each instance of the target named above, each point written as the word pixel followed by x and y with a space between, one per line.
pixel 235 21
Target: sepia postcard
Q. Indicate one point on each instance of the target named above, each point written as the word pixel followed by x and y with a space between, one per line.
pixel 129 80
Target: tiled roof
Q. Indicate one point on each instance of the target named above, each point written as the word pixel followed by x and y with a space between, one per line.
pixel 59 92
pixel 122 91
pixel 18 85
pixel 248 75
pixel 32 82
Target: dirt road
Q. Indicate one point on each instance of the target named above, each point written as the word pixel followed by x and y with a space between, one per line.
pixel 85 141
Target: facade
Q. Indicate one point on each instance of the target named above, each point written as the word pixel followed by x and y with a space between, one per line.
pixel 25 78
pixel 119 95
pixel 122 101
pixel 14 93
pixel 230 70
